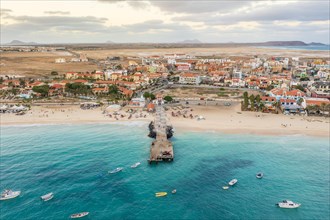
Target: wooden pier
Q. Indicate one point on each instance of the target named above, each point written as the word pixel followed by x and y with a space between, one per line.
pixel 161 148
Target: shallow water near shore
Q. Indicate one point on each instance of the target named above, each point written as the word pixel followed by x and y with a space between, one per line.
pixel 72 161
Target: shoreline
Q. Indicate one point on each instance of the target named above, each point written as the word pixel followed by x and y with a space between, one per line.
pixel 222 119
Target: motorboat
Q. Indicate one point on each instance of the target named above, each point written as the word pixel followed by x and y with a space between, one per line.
pixel 9 194
pixel 288 204
pixel 118 169
pixel 136 165
pixel 225 187
pixel 173 191
pixel 79 215
pixel 47 197
pixel 160 194
pixel 260 175
pixel 232 182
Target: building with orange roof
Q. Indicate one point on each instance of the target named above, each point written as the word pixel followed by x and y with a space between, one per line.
pixel 189 78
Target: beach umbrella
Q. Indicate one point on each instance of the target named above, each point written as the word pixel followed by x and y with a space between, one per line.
pixel 4 107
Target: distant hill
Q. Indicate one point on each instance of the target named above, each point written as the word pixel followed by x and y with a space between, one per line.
pixel 284 43
pixel 194 41
pixel 21 43
pixel 316 44
pixel 109 42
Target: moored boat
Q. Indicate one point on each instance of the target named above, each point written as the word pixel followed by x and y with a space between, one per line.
pixel 118 169
pixel 79 215
pixel 160 194
pixel 232 182
pixel 9 194
pixel 135 165
pixel 47 197
pixel 259 175
pixel 288 204
pixel 225 187
pixel 173 191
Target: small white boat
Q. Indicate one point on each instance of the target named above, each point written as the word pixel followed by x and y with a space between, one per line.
pixel 260 175
pixel 47 197
pixel 118 169
pixel 9 194
pixel 79 215
pixel 173 191
pixel 225 187
pixel 136 165
pixel 288 204
pixel 232 182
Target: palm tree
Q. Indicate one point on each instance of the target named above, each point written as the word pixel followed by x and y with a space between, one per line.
pixel 252 102
pixel 322 107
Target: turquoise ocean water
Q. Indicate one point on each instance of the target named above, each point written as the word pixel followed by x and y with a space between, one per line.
pixel 73 160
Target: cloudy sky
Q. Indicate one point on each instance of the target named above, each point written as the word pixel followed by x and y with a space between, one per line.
pixel 98 21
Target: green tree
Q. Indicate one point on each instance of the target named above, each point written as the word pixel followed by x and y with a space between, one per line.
pixel 252 102
pixel 43 90
pixel 113 89
pixel 168 98
pixel 152 96
pixel 54 73
pixel 245 101
pixel 146 95
pixel 258 99
pixel 78 88
pixel 300 100
pixel 300 88
pixel 1 80
pixel 22 83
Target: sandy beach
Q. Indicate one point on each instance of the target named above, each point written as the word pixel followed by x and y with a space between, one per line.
pixel 222 119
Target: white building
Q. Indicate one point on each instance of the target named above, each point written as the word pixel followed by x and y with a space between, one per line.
pixel 60 60
pixel 190 78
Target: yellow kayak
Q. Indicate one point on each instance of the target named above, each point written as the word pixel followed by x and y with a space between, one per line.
pixel 159 194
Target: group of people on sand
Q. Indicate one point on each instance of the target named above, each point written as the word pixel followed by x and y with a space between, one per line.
pixel 118 115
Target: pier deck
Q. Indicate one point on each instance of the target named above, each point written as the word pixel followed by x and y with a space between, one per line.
pixel 161 148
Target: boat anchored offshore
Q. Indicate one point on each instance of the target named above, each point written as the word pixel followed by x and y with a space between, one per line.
pixel 260 175
pixel 173 191
pixel 225 187
pixel 118 169
pixel 136 165
pixel 47 197
pixel 232 182
pixel 287 204
pixel 9 194
pixel 79 215
pixel 160 194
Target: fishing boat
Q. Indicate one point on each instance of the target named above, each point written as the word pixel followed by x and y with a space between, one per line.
pixel 232 182
pixel 47 197
pixel 136 165
pixel 9 194
pixel 288 204
pixel 118 169
pixel 259 175
pixel 79 215
pixel 173 191
pixel 160 194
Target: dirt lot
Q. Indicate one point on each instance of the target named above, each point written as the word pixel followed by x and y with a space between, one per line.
pixel 222 51
pixel 32 64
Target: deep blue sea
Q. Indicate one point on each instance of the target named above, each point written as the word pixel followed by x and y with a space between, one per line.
pixel 72 161
pixel 321 47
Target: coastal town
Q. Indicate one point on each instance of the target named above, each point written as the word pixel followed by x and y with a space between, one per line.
pixel 270 84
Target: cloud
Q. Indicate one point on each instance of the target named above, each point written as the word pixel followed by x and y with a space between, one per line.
pixel 57 12
pixel 294 11
pixel 195 7
pixel 5 12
